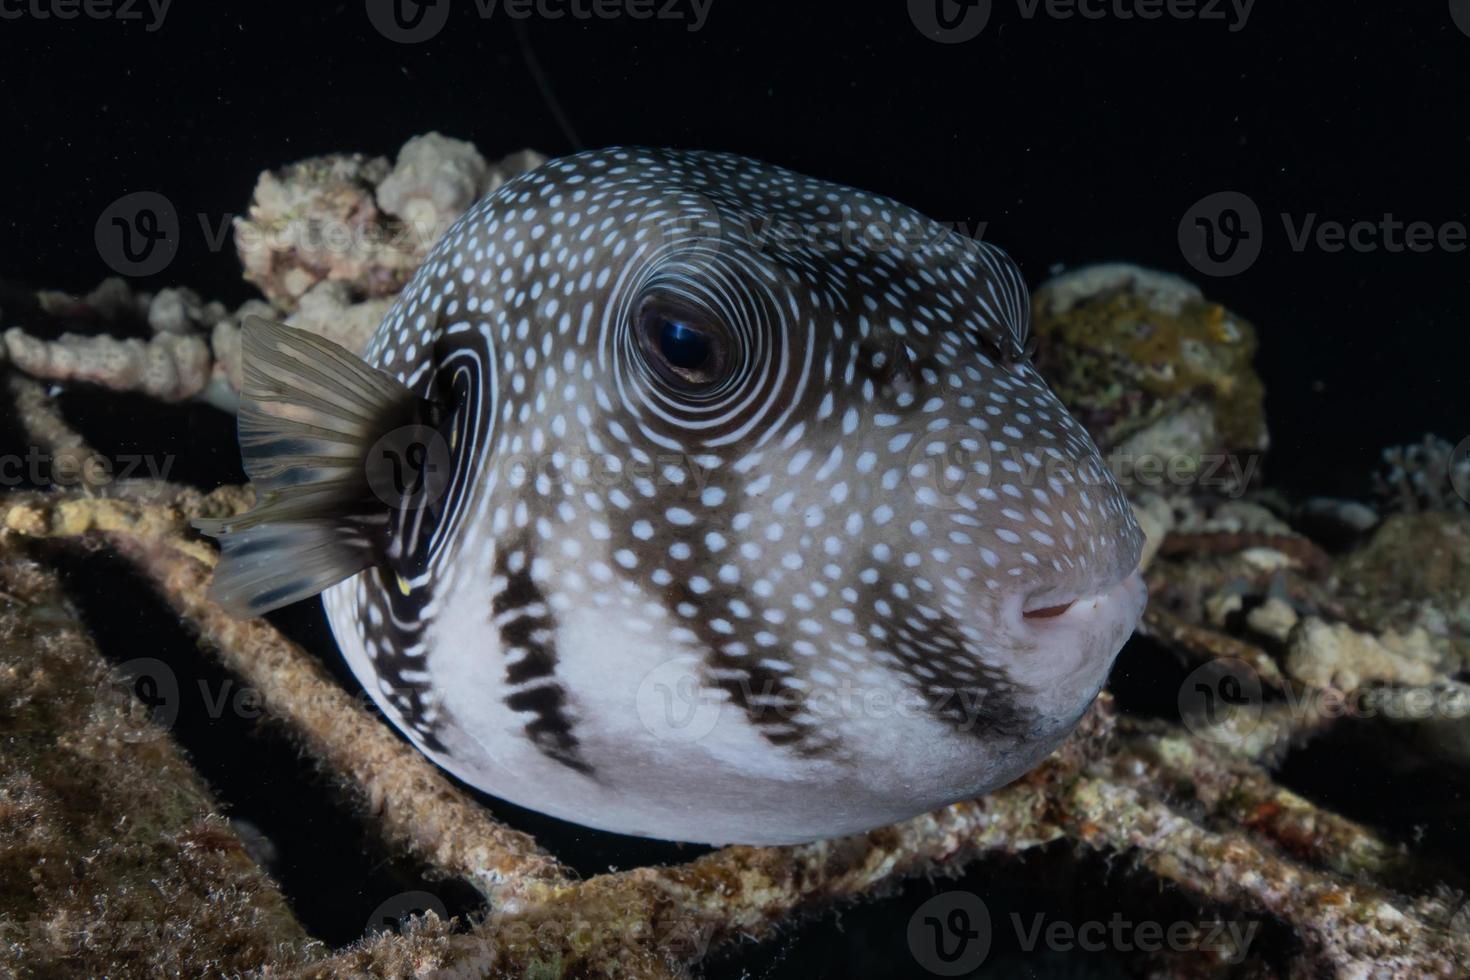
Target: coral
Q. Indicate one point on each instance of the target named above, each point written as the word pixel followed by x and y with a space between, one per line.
pixel 224 343
pixel 354 220
pixel 1333 655
pixel 193 350
pixel 1427 476
pixel 181 311
pixel 327 308
pixel 1152 368
pixel 169 366
pixel 1115 787
pixel 1275 618
pixel 1415 571
pixel 316 241
pixel 433 182
pixel 318 220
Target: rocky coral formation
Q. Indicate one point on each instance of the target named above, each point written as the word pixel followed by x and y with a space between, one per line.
pixel 1414 572
pixel 1161 377
pixel 329 241
pixel 360 221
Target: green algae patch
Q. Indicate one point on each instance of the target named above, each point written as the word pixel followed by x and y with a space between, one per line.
pixel 1148 364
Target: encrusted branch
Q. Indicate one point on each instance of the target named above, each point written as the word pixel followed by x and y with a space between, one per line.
pixel 90 783
pixel 417 808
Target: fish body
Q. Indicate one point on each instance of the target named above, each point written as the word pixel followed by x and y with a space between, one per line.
pixel 683 496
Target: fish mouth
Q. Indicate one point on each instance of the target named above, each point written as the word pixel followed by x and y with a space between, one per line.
pixel 1047 610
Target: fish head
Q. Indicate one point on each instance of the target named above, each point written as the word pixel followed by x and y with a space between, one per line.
pixel 795 424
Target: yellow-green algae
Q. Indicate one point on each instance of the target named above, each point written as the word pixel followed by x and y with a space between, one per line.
pixel 1122 360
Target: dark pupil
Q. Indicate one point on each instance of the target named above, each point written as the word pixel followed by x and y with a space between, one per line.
pixel 682 346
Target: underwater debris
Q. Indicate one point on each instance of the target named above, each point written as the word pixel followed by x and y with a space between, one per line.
pixel 1153 369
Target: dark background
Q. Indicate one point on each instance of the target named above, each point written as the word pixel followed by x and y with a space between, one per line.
pixel 1075 141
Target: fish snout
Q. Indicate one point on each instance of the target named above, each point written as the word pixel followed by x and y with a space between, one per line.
pixel 1116 605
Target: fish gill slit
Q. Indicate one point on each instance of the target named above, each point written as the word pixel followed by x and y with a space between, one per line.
pixel 395 643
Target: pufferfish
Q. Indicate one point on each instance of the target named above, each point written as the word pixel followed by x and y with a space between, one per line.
pixel 683 496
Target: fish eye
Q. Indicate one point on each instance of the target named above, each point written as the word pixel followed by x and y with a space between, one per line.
pixel 687 349
pixel 683 347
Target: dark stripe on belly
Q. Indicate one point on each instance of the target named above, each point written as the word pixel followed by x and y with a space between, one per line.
pixel 526 638
pixel 962 690
pixel 769 702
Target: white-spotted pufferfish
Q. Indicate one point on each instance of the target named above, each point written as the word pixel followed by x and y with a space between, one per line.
pixel 683 496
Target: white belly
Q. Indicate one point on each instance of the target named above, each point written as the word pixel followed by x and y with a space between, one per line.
pixel 673 758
